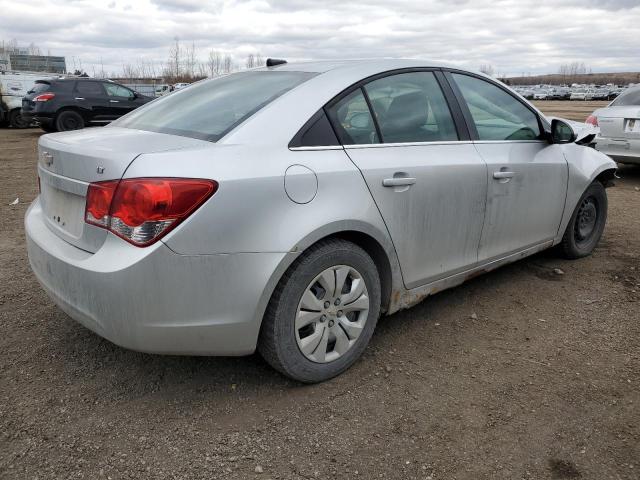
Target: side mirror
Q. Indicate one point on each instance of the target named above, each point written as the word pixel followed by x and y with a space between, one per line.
pixel 561 132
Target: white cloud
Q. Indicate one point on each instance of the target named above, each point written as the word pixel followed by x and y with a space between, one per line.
pixel 512 35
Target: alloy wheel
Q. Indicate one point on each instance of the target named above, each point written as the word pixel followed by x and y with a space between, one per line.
pixel 331 314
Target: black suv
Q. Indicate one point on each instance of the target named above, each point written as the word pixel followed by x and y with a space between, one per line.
pixel 72 103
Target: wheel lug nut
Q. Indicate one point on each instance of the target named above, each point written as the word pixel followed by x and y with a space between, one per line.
pixel 330 323
pixel 323 318
pixel 337 302
pixel 339 313
pixel 327 304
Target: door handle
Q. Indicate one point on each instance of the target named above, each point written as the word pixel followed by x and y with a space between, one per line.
pixel 114 101
pixel 79 98
pixel 500 175
pixel 398 182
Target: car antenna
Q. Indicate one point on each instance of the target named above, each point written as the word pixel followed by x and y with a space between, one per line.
pixel 272 62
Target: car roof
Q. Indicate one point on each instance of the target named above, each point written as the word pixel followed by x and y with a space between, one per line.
pixel 383 64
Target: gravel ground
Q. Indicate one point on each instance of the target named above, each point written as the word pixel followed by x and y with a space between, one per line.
pixel 522 373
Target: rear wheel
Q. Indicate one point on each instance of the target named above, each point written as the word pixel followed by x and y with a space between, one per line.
pixel 587 222
pixel 69 120
pixel 16 120
pixel 323 312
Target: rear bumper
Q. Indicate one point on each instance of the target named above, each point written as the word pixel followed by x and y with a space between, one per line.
pixel 38 116
pixel 152 299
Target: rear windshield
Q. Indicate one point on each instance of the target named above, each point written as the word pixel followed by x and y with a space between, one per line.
pixel 210 109
pixel 631 96
pixel 39 87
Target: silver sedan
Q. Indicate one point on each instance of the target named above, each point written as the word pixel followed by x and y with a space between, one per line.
pixel 619 124
pixel 286 208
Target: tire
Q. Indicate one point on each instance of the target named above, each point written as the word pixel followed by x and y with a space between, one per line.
pixel 48 127
pixel 282 341
pixel 587 223
pixel 16 120
pixel 69 120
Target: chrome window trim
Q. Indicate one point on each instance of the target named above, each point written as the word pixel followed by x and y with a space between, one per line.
pixel 327 147
pixel 407 144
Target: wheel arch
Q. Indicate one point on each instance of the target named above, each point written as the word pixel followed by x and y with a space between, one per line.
pixel 369 238
pixel 586 165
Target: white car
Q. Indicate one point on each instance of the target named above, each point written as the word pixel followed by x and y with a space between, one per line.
pixel 619 125
pixel 582 94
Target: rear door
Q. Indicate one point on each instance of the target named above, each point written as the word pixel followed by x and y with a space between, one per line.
pixel 89 96
pixel 526 176
pixel 428 183
pixel 121 99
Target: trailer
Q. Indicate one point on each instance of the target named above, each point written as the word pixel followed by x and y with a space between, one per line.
pixel 13 86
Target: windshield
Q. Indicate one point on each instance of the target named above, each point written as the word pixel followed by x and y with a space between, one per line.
pixel 210 109
pixel 631 96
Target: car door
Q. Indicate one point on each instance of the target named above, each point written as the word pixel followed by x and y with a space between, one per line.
pixel 526 176
pixel 91 98
pixel 121 99
pixel 428 183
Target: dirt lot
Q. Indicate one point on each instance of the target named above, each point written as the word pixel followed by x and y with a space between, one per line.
pixel 575 110
pixel 543 382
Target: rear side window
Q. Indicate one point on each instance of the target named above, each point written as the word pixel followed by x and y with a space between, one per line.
pixel 410 107
pixel 630 97
pixel 93 89
pixel 210 109
pixel 352 120
pixel 496 114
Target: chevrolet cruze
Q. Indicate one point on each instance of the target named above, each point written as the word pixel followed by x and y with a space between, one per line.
pixel 286 208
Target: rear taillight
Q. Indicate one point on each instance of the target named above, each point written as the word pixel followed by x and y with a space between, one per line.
pixel 142 210
pixel 44 97
pixel 592 120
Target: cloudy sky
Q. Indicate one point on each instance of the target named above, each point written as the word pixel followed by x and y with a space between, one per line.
pixel 513 36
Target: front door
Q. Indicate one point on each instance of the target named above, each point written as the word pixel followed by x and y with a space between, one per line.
pixel 121 99
pixel 430 187
pixel 526 176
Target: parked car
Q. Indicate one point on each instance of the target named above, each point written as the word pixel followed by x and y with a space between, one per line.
pixel 582 94
pixel 286 208
pixel 14 86
pixel 72 103
pixel 162 90
pixel 619 124
pixel 180 86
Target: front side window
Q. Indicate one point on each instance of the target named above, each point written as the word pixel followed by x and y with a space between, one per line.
pixel 352 120
pixel 496 114
pixel 210 109
pixel 410 107
pixel 114 90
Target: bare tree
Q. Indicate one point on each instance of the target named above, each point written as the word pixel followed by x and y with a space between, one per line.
pixel 259 62
pixel 227 63
pixel 174 64
pixel 487 69
pixel 214 63
pixel 250 62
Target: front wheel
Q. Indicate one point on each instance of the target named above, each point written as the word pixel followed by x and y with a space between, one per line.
pixel 322 313
pixel 587 223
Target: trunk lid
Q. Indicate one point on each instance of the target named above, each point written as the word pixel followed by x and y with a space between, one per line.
pixel 619 122
pixel 68 162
